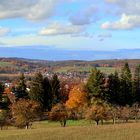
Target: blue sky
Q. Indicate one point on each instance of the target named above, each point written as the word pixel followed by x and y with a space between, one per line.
pixel 70 24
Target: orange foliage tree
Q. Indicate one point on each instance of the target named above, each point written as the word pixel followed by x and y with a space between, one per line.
pixel 24 112
pixel 77 100
pixel 59 113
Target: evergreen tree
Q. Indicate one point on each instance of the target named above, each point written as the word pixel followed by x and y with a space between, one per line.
pixel 47 94
pixel 37 89
pixel 21 91
pixel 55 89
pixel 136 85
pixel 125 96
pixel 113 88
pixel 1 91
pixel 95 85
pixel 1 95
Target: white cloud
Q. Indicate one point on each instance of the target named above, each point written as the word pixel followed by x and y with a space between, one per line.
pixel 61 29
pixel 126 22
pixel 129 12
pixel 83 17
pixel 4 31
pixel 126 6
pixel 31 9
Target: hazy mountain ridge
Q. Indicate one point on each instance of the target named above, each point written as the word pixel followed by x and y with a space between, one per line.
pixel 52 54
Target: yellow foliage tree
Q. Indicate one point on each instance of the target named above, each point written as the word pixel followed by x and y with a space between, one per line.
pixel 99 110
pixel 77 100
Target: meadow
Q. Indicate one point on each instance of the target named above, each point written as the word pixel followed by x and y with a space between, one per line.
pixel 75 130
pixel 107 70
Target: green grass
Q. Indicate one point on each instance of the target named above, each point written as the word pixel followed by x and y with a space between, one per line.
pixel 6 64
pixel 75 130
pixel 106 70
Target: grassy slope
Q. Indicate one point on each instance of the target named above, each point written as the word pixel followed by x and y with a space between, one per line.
pixel 74 131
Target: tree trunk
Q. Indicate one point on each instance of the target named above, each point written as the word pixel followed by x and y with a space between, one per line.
pixel 102 122
pixel 64 123
pixel 114 120
pixel 97 122
pixel 27 125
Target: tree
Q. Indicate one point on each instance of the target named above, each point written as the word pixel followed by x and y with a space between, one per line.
pixel 125 96
pixel 95 85
pixel 98 111
pixel 37 89
pixel 47 102
pixel 4 118
pixel 65 86
pixel 113 88
pixel 114 112
pixel 21 91
pixel 24 112
pixel 136 85
pixel 77 98
pixel 135 111
pixel 125 113
pixel 59 113
pixel 76 102
pixel 1 91
pixel 2 104
pixel 55 90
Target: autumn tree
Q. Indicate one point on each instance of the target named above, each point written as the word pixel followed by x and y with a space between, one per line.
pixel 4 118
pixel 98 111
pixel 114 112
pixel 77 100
pixel 135 111
pixel 59 113
pixel 125 113
pixel 24 112
pixel 77 97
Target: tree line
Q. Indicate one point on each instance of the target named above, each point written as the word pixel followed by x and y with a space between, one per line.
pixel 116 96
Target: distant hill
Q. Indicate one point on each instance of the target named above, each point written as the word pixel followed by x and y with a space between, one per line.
pixel 48 53
pixel 32 64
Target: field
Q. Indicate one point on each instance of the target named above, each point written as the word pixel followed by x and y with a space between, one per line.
pixel 74 131
pixel 106 70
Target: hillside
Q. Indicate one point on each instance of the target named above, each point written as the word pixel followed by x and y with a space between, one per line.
pixel 16 65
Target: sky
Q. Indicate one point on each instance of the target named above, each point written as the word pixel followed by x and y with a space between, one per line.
pixel 93 25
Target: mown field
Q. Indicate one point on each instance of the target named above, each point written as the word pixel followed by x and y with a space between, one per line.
pixel 74 131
